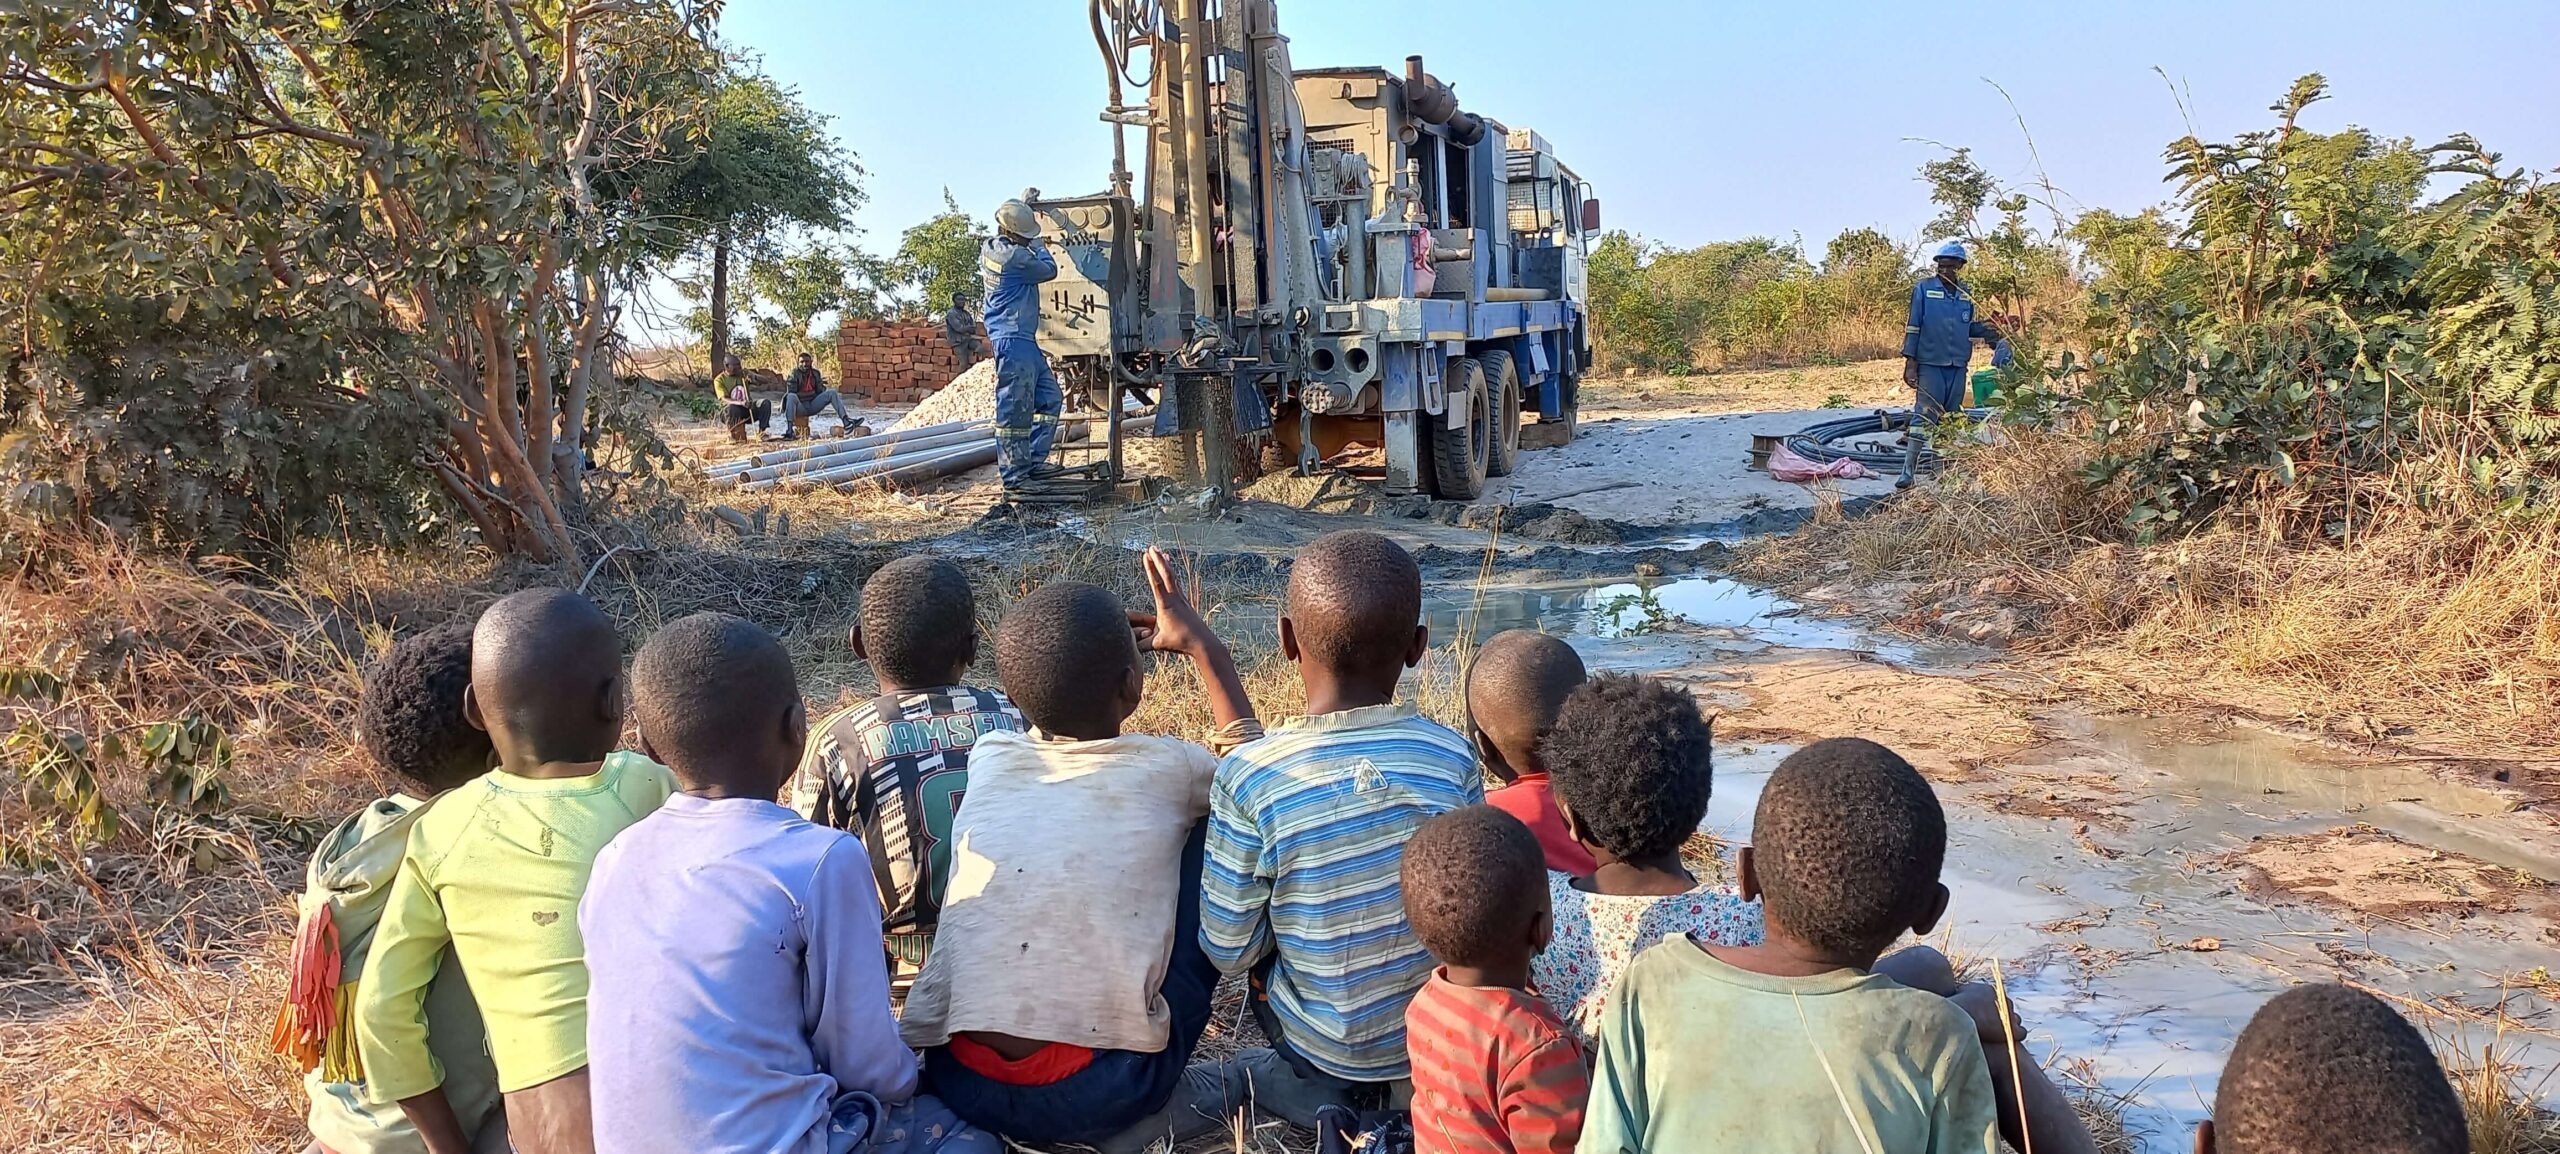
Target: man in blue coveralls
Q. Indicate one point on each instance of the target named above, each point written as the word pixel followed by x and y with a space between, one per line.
pixel 1011 268
pixel 1937 342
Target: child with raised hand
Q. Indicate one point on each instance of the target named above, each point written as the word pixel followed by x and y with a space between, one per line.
pixel 494 871
pixel 1792 1043
pixel 1632 763
pixel 892 769
pixel 2324 1069
pixel 1307 827
pixel 1494 1069
pixel 411 724
pixel 741 1000
pixel 1068 987
pixel 1515 685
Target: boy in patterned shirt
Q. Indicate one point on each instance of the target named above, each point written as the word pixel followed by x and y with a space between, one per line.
pixel 892 770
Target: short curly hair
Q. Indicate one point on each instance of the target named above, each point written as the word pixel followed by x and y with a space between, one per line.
pixel 2323 1069
pixel 1632 757
pixel 1473 880
pixel 1353 602
pixel 708 691
pixel 410 718
pixel 1062 653
pixel 1847 844
pixel 919 621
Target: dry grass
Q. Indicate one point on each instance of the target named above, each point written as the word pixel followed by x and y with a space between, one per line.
pixel 2501 1099
pixel 2414 626
pixel 1855 385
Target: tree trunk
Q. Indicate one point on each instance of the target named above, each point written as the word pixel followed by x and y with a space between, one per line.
pixel 720 301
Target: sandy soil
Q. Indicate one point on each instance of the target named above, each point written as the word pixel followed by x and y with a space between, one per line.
pixel 2370 872
pixel 1862 385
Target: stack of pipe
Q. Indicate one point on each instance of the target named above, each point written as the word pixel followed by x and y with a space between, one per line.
pixel 906 455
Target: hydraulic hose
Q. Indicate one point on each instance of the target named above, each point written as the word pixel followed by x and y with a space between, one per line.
pixel 1823 442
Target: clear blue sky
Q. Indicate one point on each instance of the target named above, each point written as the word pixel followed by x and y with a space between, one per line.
pixel 1697 121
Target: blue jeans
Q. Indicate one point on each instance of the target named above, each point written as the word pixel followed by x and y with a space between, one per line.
pixel 860 1124
pixel 1941 389
pixel 795 406
pixel 1028 402
pixel 1121 1087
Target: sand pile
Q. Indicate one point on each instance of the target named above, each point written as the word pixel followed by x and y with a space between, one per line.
pixel 971 396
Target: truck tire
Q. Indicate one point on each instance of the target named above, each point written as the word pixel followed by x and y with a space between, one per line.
pixel 1458 456
pixel 1502 388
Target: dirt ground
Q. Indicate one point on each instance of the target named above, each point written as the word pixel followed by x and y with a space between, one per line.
pixel 2144 883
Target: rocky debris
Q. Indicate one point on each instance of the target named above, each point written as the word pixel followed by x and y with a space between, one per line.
pixel 969 397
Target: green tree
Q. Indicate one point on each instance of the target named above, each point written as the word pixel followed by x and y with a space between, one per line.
pixel 258 259
pixel 940 256
pixel 804 283
pixel 765 167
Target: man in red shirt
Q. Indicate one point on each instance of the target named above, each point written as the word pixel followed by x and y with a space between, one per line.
pixel 1516 684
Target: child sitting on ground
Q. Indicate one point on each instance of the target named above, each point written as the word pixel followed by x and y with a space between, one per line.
pixel 494 870
pixel 1514 686
pixel 891 769
pixel 411 723
pixel 1632 765
pixel 1067 987
pixel 2323 1069
pixel 1306 828
pixel 740 1000
pixel 1792 1044
pixel 1493 1067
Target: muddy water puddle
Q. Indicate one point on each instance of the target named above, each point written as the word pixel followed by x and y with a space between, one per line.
pixel 2134 941
pixel 2135 949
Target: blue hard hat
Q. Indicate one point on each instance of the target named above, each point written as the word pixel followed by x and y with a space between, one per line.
pixel 1952 248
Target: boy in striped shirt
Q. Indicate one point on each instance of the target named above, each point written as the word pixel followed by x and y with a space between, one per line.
pixel 1494 1070
pixel 1307 828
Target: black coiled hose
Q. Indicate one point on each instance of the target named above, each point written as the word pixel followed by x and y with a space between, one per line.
pixel 1821 442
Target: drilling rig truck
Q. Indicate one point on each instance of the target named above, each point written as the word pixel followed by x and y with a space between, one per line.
pixel 1313 259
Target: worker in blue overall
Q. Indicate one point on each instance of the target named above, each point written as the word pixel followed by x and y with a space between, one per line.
pixel 1937 342
pixel 1011 268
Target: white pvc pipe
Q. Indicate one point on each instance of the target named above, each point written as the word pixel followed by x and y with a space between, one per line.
pixel 770 475
pixel 830 448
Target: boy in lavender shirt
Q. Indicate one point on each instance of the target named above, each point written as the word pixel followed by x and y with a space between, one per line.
pixel 740 999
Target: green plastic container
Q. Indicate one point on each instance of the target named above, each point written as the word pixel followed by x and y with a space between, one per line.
pixel 1984 382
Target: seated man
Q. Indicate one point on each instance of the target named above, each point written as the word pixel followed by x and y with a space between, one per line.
pixel 738 401
pixel 805 393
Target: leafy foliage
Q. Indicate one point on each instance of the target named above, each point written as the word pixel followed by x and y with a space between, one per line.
pixel 274 265
pixel 2299 330
pixel 765 171
pixel 939 257
pixel 1675 310
pixel 61 768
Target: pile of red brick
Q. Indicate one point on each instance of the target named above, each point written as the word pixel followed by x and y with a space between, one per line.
pixel 883 362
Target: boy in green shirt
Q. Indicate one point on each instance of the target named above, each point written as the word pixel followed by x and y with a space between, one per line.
pixel 495 871
pixel 411 723
pixel 1794 1044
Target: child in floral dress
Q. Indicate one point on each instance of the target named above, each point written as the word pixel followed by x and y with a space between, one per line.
pixel 1630 761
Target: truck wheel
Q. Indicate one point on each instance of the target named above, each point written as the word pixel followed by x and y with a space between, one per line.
pixel 1458 456
pixel 1502 387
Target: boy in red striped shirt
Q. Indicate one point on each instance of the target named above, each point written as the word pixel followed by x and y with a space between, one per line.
pixel 1494 1069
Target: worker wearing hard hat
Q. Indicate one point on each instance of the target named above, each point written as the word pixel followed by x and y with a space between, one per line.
pixel 1011 267
pixel 1937 342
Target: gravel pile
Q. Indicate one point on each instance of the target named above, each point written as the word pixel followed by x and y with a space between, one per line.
pixel 971 396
